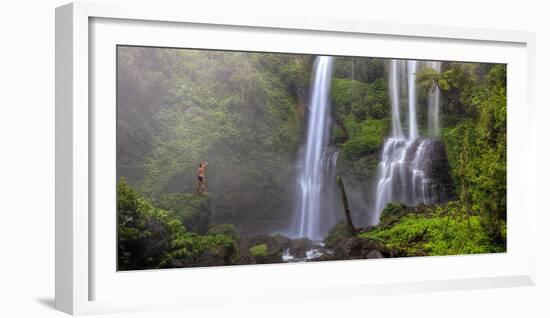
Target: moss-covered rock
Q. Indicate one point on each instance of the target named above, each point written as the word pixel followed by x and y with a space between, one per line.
pixel 258 251
pixel 262 249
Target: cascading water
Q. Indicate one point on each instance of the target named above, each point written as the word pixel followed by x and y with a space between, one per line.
pixel 412 170
pixel 316 161
pixel 411 75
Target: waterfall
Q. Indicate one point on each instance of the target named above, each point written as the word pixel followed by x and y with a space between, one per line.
pixel 412 170
pixel 315 164
pixel 413 126
pixel 433 104
pixel 394 96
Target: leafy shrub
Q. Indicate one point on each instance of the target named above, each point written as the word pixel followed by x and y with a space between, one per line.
pixel 149 237
pixel 144 232
pixel 193 210
pixel 224 229
pixel 391 213
pixel 365 139
pixel 259 250
pixel 349 97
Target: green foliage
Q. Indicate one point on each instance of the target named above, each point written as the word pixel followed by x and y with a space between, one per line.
pixel 149 237
pixel 193 210
pixel 224 229
pixel 429 79
pixel 349 96
pixel 461 79
pixel 477 153
pixel 359 99
pixel 144 232
pixel 378 103
pixel 338 232
pixel 365 138
pixel 244 114
pixel 188 244
pixel 259 250
pixel 241 112
pixel 391 214
pixel 442 231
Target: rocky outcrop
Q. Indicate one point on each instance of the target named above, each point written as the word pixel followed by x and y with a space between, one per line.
pixel 426 159
pixel 262 249
pixel 441 171
pixel 299 247
pixel 194 210
pixel 358 248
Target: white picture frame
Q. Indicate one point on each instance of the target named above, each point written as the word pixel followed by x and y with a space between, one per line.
pixel 80 61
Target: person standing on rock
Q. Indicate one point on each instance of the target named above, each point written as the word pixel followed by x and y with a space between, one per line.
pixel 201 179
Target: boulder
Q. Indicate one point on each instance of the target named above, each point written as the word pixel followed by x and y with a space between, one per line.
pixel 299 247
pixel 358 248
pixel 262 249
pixel 281 242
pixel 374 254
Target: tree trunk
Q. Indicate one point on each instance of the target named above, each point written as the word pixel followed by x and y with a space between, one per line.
pixel 352 231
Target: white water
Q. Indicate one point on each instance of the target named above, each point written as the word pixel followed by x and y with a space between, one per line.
pixel 411 75
pixel 316 250
pixel 403 172
pixel 312 166
pixel 394 96
pixel 433 104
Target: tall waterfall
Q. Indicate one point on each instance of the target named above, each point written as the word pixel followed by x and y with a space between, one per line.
pixel 395 69
pixel 316 161
pixel 412 170
pixel 433 104
pixel 413 125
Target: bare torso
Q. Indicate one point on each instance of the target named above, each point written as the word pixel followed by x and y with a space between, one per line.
pixel 201 171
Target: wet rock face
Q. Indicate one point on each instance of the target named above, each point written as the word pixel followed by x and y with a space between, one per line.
pixel 430 157
pixel 440 172
pixel 415 172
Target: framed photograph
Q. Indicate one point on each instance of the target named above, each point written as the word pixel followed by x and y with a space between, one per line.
pixel 263 157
